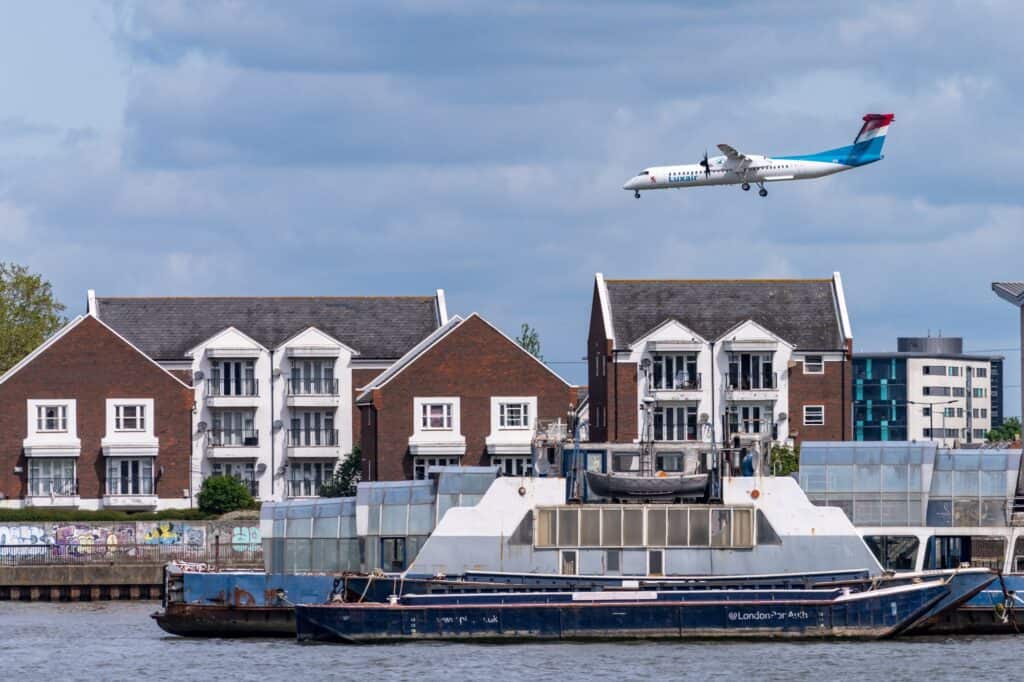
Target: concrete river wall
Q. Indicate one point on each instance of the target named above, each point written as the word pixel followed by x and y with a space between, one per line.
pixel 80 560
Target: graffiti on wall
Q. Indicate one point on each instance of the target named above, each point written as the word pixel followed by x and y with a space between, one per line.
pixel 171 533
pixel 245 537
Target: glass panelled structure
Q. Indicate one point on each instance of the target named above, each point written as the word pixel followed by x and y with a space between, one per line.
pixel 910 483
pixel 879 398
pixel 328 534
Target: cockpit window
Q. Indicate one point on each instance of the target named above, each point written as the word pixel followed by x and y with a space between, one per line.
pixel 643 172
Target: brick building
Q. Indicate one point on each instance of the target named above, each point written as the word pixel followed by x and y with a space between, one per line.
pixel 89 421
pixel 680 363
pixel 274 377
pixel 467 395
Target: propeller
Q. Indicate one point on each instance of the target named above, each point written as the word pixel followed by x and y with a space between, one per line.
pixel 707 166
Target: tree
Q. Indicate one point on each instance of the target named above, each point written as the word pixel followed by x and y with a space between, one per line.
pixel 346 476
pixel 530 341
pixel 222 494
pixel 1009 431
pixel 29 313
pixel 784 460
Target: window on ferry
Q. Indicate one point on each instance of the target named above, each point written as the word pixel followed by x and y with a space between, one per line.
pixel 613 561
pixel 568 527
pixel 656 526
pixel 590 527
pixel 611 527
pixel 721 528
pixel 546 528
pixel 1018 555
pixel 699 535
pixel 655 562
pixel 988 551
pixel 742 528
pixel 569 566
pixel 436 416
pixel 625 461
pixel 894 552
pixel 814 364
pixel 633 527
pixel 392 554
pixel 678 527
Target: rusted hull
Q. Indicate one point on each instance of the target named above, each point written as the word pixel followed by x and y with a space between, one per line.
pixel 206 620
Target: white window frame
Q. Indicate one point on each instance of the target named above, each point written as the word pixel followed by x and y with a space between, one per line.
pixel 505 411
pixel 420 464
pixel 60 418
pixel 520 465
pixel 426 417
pixel 32 412
pixel 807 415
pixel 120 417
pixel 809 364
pixel 146 483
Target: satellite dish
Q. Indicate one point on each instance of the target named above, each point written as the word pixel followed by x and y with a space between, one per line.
pixel 278 424
pixel 201 427
pixel 261 467
pixel 198 376
pixel 276 372
pixel 704 418
pixel 783 416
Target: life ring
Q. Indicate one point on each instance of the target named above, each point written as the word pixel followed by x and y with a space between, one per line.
pixel 522 491
pixel 755 493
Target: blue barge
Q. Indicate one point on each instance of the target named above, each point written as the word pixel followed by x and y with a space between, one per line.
pixel 791 614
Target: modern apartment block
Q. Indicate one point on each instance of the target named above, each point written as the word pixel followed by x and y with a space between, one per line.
pixel 681 363
pixel 1013 292
pixel 88 421
pixel 273 378
pixel 927 390
pixel 466 395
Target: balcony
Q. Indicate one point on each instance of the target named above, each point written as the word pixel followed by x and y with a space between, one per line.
pixel 52 492
pixel 311 392
pixel 305 488
pixel 238 443
pixel 234 393
pixel 682 387
pixel 312 443
pixel 763 386
pixel 130 492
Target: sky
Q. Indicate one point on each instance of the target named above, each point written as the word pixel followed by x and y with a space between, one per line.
pixel 350 148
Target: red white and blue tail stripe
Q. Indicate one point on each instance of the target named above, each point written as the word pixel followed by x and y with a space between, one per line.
pixel 875 125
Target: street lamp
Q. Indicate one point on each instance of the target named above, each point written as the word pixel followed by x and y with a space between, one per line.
pixel 931 415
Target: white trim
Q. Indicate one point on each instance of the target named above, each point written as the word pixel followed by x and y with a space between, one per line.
pixel 804 363
pixel 696 342
pixel 606 308
pixel 844 316
pixel 754 344
pixel 299 333
pixel 435 338
pixel 90 303
pixel 442 308
pixel 822 415
pixel 192 351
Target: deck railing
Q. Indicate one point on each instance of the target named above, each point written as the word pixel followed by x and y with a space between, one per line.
pixel 221 554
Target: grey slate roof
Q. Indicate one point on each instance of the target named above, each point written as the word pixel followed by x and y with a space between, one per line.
pixel 376 327
pixel 802 312
pixel 1011 291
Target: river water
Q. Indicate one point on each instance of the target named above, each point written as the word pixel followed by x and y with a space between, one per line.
pixel 118 640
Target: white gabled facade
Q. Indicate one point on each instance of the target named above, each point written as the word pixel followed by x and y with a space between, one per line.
pixel 279 418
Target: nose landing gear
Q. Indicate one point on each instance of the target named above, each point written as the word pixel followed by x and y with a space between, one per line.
pixel 637 194
pixel 745 186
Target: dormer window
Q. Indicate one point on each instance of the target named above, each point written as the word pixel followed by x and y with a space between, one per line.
pixel 129 417
pixel 51 418
pixel 436 416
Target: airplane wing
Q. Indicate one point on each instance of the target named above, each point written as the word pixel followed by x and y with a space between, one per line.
pixel 731 153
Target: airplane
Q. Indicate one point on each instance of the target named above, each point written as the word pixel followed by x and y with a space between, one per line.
pixel 735 168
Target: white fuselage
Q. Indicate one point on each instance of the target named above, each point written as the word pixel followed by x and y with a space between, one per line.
pixel 754 169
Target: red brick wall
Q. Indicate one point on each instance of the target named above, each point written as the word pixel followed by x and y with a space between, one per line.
pixel 90 364
pixel 831 389
pixel 360 378
pixel 624 410
pixel 474 362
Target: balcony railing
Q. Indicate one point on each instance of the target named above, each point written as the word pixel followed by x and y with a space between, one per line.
pixel 233 437
pixel 766 382
pixel 56 487
pixel 127 485
pixel 219 388
pixel 311 438
pixel 312 387
pixel 305 487
pixel 681 382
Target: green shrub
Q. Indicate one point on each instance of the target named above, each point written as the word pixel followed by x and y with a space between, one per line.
pixel 343 482
pixel 785 460
pixel 222 494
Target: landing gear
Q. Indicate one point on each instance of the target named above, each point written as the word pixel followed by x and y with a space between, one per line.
pixel 745 186
pixel 762 192
pixel 637 194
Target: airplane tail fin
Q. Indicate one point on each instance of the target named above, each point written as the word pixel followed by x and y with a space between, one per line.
pixel 867 146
